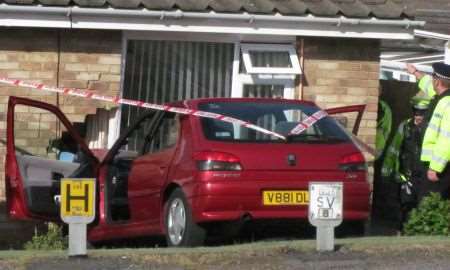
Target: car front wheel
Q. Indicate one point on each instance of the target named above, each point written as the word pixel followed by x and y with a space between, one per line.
pixel 181 230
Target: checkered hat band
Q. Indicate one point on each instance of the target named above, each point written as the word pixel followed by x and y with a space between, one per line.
pixel 441 76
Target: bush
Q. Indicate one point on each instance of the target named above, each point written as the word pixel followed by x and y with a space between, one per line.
pixel 431 217
pixel 52 240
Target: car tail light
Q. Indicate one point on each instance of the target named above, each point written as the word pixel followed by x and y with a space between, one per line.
pixel 353 163
pixel 217 161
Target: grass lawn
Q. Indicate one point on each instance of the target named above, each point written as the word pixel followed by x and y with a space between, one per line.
pixel 189 258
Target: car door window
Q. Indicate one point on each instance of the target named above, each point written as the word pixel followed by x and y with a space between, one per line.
pixel 46 152
pixel 165 135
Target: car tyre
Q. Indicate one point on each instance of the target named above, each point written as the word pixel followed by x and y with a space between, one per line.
pixel 181 230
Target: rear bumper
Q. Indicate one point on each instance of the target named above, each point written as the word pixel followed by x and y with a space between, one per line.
pixel 225 201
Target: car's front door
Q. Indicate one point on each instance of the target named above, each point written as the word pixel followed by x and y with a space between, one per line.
pixel 346 116
pixel 42 147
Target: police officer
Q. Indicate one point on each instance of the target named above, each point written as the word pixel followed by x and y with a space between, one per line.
pixel 402 160
pixel 384 124
pixel 425 81
pixel 436 141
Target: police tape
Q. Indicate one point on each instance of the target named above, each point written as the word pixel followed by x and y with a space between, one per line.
pixel 308 122
pixel 302 126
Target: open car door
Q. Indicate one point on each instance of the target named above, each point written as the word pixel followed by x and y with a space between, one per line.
pixel 346 116
pixel 42 147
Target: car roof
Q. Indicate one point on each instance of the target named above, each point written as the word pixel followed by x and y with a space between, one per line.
pixel 193 103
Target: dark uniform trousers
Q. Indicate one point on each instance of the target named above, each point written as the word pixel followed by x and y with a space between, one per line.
pixel 441 186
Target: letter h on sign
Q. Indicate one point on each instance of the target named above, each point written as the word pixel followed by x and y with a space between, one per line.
pixel 84 198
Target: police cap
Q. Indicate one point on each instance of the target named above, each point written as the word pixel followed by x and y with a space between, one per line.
pixel 420 103
pixel 441 71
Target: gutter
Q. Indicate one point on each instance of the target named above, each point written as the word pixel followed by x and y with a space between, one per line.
pixel 433 35
pixel 393 65
pixel 74 15
pixel 250 18
pixel 178 14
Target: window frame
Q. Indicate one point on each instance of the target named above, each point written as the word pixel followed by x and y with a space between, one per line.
pixel 247 48
pixel 238 80
pixel 241 79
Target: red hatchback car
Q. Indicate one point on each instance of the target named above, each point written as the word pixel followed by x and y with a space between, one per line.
pixel 173 175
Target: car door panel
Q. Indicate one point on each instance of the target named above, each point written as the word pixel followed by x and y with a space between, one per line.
pixel 41 180
pixel 33 181
pixel 147 178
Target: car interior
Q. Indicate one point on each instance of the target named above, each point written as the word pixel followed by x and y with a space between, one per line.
pixel 149 134
pixel 124 152
pixel 42 179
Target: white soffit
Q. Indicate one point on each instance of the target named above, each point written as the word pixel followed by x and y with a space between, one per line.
pixel 395 61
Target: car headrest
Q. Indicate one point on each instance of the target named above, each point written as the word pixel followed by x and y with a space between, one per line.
pixel 223 130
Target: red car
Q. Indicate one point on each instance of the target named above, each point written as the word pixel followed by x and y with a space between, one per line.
pixel 173 175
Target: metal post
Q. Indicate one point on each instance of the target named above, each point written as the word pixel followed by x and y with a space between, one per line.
pixel 325 211
pixel 77 240
pixel 325 238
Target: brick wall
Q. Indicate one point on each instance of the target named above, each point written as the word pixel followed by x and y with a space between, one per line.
pixel 83 59
pixel 341 72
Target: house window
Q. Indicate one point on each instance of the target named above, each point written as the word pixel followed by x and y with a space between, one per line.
pixel 160 71
pixel 265 70
pixel 165 71
pixel 270 59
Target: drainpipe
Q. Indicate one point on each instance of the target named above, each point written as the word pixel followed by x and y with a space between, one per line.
pixel 447 53
pixel 302 78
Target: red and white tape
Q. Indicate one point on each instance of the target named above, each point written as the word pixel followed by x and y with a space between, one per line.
pixel 92 95
pixel 308 122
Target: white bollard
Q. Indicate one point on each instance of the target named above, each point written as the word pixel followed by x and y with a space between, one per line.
pixel 77 240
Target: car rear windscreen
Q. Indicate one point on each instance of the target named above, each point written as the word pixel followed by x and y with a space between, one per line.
pixel 274 116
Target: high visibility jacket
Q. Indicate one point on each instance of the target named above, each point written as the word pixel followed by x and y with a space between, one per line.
pixel 402 159
pixel 391 162
pixel 436 142
pixel 426 85
pixel 384 124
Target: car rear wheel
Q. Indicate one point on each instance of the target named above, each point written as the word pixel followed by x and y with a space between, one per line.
pixel 181 230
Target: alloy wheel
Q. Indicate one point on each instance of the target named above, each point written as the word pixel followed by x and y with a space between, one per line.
pixel 176 221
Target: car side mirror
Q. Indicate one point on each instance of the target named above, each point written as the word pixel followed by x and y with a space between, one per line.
pixel 66 156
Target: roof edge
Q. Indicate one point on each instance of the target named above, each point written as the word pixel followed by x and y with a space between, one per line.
pixel 144 19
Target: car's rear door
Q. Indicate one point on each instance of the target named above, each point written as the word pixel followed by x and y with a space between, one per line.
pixel 42 147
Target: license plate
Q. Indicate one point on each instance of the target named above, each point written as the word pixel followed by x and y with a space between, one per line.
pixel 285 197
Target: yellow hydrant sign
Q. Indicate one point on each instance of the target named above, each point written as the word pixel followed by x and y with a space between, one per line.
pixel 77 200
pixel 77 210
